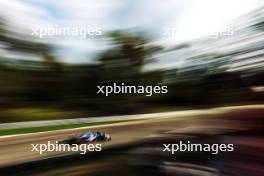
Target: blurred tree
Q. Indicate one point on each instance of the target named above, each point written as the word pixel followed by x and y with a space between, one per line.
pixel 24 79
pixel 125 60
pixel 124 63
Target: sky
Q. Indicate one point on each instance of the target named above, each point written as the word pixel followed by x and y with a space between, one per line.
pixel 190 19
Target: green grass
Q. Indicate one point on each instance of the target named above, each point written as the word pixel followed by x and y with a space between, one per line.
pixel 53 127
pixel 35 113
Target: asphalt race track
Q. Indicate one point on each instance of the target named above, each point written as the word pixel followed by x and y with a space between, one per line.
pixel 15 150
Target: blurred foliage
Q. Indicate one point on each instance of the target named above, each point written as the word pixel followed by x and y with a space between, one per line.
pixel 123 63
pixel 33 113
pixel 48 89
pixel 125 60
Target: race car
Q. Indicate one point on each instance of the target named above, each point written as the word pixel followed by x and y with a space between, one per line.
pixel 87 138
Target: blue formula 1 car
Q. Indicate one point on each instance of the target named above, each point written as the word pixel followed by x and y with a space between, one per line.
pixel 87 138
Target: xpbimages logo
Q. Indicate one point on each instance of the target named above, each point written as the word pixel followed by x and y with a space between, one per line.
pixel 74 31
pixel 128 89
pixel 57 147
pixel 191 147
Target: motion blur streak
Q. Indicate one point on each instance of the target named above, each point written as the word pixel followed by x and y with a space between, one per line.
pixel 208 54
